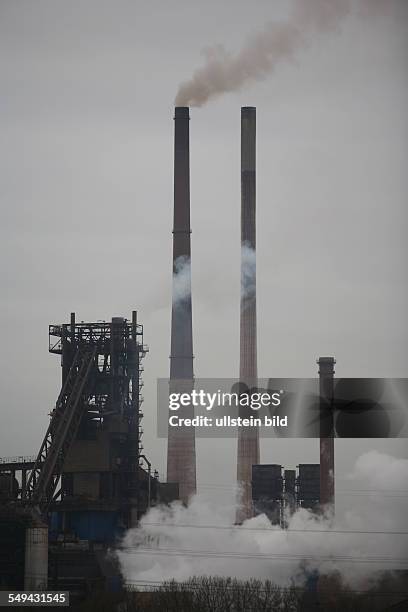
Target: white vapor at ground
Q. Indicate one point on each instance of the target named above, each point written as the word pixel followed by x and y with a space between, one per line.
pixel 381 471
pixel 178 542
pixel 262 52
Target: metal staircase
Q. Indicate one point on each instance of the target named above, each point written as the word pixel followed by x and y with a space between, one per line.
pixel 61 432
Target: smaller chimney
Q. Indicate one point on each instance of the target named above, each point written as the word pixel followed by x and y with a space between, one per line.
pixel 326 377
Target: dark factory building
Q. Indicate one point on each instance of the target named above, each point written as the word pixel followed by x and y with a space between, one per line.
pixel 308 486
pixel 90 481
pixel 100 483
pixel 277 493
pixel 267 491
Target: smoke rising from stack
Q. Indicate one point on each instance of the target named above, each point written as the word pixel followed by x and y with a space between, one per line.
pixel 224 72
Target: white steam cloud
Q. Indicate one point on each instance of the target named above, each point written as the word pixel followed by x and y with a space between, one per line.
pixel 380 471
pixel 181 279
pixel 177 542
pixel 223 72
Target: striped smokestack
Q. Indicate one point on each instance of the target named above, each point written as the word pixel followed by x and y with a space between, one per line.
pixel 248 438
pixel 181 459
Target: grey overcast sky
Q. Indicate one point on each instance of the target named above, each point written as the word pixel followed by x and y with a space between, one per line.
pixel 86 107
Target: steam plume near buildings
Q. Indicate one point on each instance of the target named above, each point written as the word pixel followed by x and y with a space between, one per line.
pixel 179 542
pixel 263 51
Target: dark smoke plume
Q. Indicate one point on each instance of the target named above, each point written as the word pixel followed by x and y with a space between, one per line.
pixel 262 52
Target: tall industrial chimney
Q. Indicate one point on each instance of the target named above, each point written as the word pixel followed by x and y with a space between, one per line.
pixel 326 374
pixel 248 438
pixel 181 458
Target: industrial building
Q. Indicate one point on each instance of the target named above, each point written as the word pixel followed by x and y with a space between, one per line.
pixel 278 492
pixel 60 511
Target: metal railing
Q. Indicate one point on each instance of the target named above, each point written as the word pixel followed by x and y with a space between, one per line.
pixel 20 459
